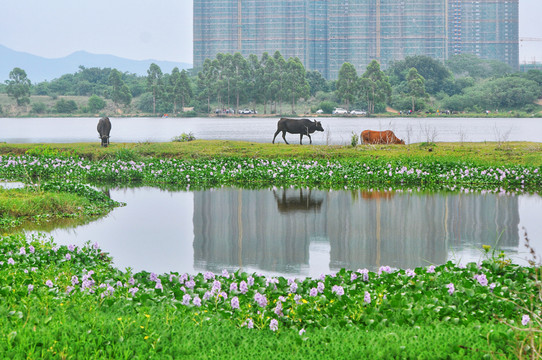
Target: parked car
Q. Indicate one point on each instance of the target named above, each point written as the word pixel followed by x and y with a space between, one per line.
pixel 358 112
pixel 247 111
pixel 319 111
pixel 339 111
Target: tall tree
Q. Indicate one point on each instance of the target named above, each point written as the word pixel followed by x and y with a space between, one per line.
pixel 18 86
pixel 206 80
pixel 416 86
pixel 278 79
pixel 375 86
pixel 347 84
pixel 180 89
pixel 154 83
pixel 120 94
pixel 296 81
pixel 238 76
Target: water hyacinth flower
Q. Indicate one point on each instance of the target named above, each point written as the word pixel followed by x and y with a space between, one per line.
pixel 68 257
pixel 301 332
pixel 274 325
pixel 225 274
pixel 367 297
pixel 338 290
pixel 313 292
pixel 49 283
pixel 293 288
pixel 482 279
pixel 71 247
pixel 22 251
pixel 410 272
pixel 431 269
pixel 75 280
pixel 208 275
pixel 234 302
pixel 153 277
pixel 196 301
pixel 353 276
pixel 525 320
pixel 159 285
pixel 186 299
pixel 320 287
pixel 133 290
pixel 233 287
pixel 451 288
pixel 31 249
pixel 386 269
pixel 260 299
pixel 243 287
pixel 11 261
pixel 30 288
pixel 250 281
pixel 365 273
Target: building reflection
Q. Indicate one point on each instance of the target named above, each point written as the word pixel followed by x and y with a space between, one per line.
pixel 272 230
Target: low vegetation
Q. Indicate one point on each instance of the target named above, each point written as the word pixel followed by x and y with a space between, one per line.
pixel 67 302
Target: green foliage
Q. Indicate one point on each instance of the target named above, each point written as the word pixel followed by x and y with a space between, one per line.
pixel 354 139
pixel 184 137
pixel 468 65
pixel 18 86
pixel 328 106
pixel 64 106
pixel 348 84
pixel 96 103
pixel 39 108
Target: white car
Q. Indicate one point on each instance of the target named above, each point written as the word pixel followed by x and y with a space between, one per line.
pixel 319 111
pixel 358 112
pixel 339 111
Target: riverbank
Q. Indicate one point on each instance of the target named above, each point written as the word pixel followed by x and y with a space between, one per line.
pixel 483 153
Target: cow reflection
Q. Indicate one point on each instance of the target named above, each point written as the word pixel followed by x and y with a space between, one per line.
pixel 377 194
pixel 301 200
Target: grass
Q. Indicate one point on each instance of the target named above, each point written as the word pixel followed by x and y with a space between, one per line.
pixel 489 153
pixel 69 302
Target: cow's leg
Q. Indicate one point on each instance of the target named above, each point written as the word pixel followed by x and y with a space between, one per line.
pixel 276 133
pixel 301 139
pixel 284 137
pixel 310 138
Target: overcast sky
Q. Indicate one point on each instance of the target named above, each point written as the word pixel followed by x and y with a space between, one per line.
pixel 145 29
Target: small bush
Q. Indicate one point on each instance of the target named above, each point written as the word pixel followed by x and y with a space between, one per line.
pixel 184 137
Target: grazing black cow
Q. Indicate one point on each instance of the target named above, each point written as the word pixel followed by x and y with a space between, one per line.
pixel 297 126
pixel 104 128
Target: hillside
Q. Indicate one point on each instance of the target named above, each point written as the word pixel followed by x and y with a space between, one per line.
pixel 40 69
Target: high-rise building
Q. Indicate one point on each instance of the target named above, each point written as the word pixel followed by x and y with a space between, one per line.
pixel 324 34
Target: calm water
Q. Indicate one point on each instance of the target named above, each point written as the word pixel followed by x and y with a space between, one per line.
pixel 337 130
pixel 301 232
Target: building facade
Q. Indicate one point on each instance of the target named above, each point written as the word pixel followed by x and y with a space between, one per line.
pixel 324 34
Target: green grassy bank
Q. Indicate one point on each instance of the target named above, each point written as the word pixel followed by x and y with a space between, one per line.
pixel 493 153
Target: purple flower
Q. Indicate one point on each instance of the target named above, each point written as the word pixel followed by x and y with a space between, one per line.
pixel 451 288
pixel 71 247
pixel 525 320
pixel 353 276
pixel 367 297
pixel 22 251
pixel 30 288
pixel 190 284
pixel 49 283
pixel 250 281
pixel 301 332
pixel 225 273
pixel 492 286
pixel 260 299
pixel 196 301
pixel 96 246
pixel 410 272
pixel 250 324
pixel 365 274
pixel 11 261
pixel 69 289
pixel 31 249
pixel 233 286
pixel 431 269
pixel 293 288
pixel 382 269
pixel 234 302
pixel 208 275
pixel 337 290
pixel 297 299
pixel 133 291
pixel 131 281
pixel 159 285
pixel 320 287
pixel 75 280
pixel 243 287
pixel 313 292
pixel 278 309
pixel 183 278
pixel 153 277
pixel 68 257
pixel 481 279
pixel 216 286
pixel 186 299
pixel 274 325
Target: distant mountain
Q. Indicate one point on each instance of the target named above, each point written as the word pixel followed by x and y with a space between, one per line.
pixel 39 69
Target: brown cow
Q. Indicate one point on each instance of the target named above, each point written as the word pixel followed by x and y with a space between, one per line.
pixel 380 137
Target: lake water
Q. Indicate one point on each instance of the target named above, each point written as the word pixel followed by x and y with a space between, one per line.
pixel 337 130
pixel 302 232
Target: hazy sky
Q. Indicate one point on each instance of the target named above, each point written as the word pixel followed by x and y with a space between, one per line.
pixel 145 29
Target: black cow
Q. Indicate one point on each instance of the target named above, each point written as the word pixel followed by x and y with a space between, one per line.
pixel 104 128
pixel 297 126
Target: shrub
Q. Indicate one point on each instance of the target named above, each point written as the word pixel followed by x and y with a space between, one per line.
pixel 184 137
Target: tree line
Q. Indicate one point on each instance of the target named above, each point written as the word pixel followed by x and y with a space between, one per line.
pixel 417 83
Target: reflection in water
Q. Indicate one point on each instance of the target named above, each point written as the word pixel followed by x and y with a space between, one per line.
pixel 273 230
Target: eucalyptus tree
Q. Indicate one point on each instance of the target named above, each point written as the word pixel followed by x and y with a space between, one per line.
pixel 254 82
pixel 347 84
pixel 179 88
pixel 206 80
pixel 278 79
pixel 296 82
pixel 18 86
pixel 374 86
pixel 238 74
pixel 316 82
pixel 120 93
pixel 416 86
pixel 154 83
pixel 267 87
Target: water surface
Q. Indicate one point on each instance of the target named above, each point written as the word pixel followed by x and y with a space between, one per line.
pixel 302 232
